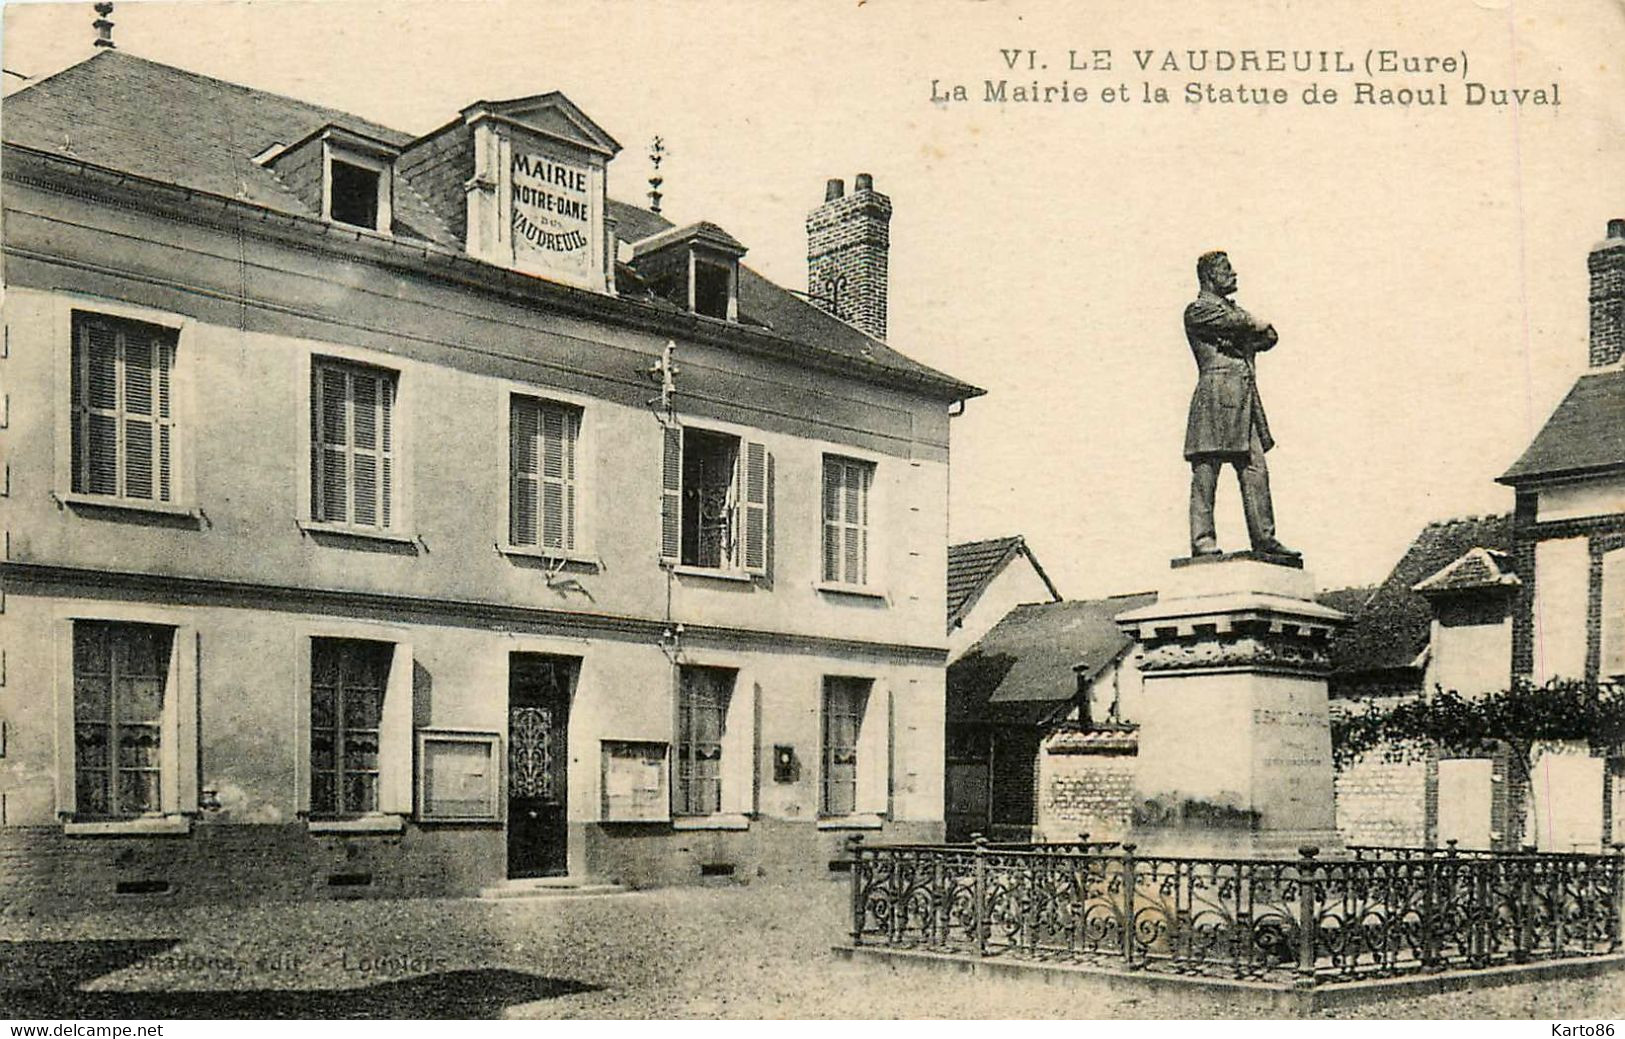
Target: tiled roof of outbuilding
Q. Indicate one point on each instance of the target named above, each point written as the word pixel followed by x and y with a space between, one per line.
pixel 1585 434
pixel 1478 568
pixel 119 112
pixel 972 566
pixel 1393 626
pixel 1029 663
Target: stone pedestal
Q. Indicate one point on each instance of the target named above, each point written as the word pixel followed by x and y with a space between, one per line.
pixel 1235 754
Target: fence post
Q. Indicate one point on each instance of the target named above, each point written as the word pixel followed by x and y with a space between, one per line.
pixel 1128 903
pixel 854 850
pixel 1526 908
pixel 983 926
pixel 1308 921
pixel 943 895
pixel 1619 897
pixel 1430 911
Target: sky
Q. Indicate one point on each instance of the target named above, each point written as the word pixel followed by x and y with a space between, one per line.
pixel 1424 265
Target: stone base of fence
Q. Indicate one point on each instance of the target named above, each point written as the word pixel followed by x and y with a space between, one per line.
pixel 1249 998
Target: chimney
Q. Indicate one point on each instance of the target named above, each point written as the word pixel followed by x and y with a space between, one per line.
pixel 848 238
pixel 1607 266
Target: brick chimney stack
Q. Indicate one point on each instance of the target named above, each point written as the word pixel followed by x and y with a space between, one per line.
pixel 848 238
pixel 1607 266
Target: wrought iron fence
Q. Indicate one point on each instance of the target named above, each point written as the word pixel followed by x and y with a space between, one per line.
pixel 1306 918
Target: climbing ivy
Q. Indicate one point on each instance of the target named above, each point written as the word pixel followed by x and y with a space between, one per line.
pixel 1517 718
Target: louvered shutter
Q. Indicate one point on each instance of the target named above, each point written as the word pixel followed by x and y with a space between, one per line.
pixel 555 479
pixel 98 394
pixel 122 417
pixel 671 495
pixel 832 520
pixel 523 494
pixel 756 508
pixel 364 453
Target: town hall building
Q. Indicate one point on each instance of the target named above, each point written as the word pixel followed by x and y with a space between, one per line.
pixel 404 515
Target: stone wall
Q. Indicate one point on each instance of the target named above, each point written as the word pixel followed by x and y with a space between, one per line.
pixel 1384 802
pixel 1083 792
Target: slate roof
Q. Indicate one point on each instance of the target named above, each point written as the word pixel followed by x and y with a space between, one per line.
pixel 117 111
pixel 972 566
pixel 1028 666
pixel 1392 627
pixel 1478 568
pixel 1585 434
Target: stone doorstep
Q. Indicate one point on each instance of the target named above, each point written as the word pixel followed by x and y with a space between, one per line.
pixel 551 887
pixel 1266 998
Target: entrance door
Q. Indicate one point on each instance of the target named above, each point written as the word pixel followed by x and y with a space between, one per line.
pixel 967 783
pixel 538 757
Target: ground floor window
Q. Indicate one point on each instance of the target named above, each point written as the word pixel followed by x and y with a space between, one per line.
pixel 347 685
pixel 702 712
pixel 845 700
pixel 120 672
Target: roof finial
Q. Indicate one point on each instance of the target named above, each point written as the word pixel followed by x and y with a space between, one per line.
pixel 103 26
pixel 657 154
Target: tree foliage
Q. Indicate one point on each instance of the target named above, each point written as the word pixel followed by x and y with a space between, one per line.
pixel 1517 717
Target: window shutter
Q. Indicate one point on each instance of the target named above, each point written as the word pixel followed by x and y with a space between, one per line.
pixel 739 748
pixel 138 415
pixel 523 497
pixel 395 735
pixel 555 475
pixel 1613 614
pixel 874 753
pixel 756 508
pixel 386 408
pixel 671 495
pixel 832 520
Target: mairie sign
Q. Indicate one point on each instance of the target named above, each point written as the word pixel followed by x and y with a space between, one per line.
pixel 552 213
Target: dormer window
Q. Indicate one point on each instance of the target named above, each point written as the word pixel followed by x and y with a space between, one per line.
pixel 714 292
pixel 695 267
pixel 353 194
pixel 357 188
pixel 345 175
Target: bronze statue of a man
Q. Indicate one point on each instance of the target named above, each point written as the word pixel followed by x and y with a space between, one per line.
pixel 1227 423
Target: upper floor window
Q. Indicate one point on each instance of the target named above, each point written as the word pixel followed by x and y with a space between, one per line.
pixel 124 436
pixel 120 675
pixel 847 520
pixel 357 186
pixel 543 478
pixel 715 501
pixel 353 197
pixel 696 267
pixel 352 445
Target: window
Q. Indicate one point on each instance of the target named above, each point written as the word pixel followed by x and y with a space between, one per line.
pixel 124 436
pixel 348 681
pixel 354 195
pixel 352 450
pixel 120 672
pixel 844 703
pixel 846 520
pixel 714 512
pixel 702 712
pixel 713 289
pixel 542 474
pixel 855 749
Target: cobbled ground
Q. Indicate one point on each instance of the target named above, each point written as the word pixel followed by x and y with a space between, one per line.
pixel 735 951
